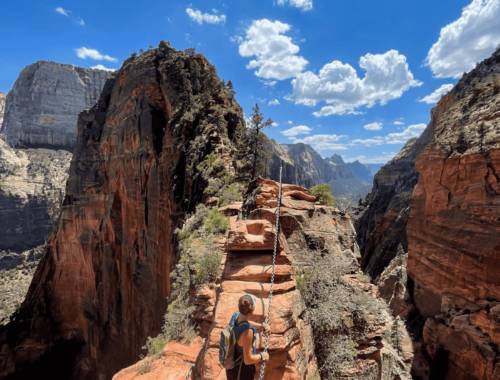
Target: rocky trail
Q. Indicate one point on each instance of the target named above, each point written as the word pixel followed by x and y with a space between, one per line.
pixel 247 267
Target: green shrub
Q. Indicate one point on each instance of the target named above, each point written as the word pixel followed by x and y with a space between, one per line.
pixel 324 195
pixel 229 195
pixel 155 345
pixel 216 223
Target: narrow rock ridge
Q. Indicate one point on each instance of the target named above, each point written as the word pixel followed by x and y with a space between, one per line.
pixel 384 350
pixel 102 284
pixel 42 108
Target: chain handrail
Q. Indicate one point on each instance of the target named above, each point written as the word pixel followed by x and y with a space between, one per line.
pixel 190 370
pixel 268 318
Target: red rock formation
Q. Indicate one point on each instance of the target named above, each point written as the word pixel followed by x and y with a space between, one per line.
pixel 247 269
pixel 454 228
pixel 101 287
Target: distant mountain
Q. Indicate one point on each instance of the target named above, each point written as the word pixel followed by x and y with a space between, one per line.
pixel 361 171
pixel 292 172
pixel 304 166
pixel 374 168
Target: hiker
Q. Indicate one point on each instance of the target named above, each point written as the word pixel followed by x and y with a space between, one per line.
pixel 244 368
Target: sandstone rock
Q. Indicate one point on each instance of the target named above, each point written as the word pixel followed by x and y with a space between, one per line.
pixel 102 285
pixel 2 107
pixel 173 363
pixel 454 222
pixel 32 187
pixel 42 108
pixel 250 235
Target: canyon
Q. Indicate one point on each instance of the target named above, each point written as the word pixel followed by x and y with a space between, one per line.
pixel 427 232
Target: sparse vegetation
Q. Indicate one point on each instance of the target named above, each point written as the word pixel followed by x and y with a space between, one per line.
pixel 324 195
pixel 333 308
pixel 14 284
pixel 145 367
pixel 199 265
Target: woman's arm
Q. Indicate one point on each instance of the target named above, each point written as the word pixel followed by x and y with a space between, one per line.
pixel 263 326
pixel 245 341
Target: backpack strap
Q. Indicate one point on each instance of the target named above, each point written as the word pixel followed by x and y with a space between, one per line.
pixel 233 318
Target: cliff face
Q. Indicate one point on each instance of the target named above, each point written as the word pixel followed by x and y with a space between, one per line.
pixel 2 107
pixel 102 283
pixel 453 230
pixel 44 103
pixel 32 183
pixel 291 172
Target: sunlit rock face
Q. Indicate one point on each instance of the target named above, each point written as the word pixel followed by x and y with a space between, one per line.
pixel 454 227
pixel 43 106
pixel 2 107
pixel 102 284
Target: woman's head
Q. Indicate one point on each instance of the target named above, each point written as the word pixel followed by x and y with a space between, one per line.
pixel 246 304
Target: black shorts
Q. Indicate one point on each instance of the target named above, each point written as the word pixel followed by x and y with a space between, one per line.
pixel 247 372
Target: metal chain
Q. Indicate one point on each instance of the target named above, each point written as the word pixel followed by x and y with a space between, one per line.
pixel 190 370
pixel 268 318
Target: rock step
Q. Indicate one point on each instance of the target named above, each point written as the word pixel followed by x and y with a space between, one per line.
pixel 257 268
pixel 257 288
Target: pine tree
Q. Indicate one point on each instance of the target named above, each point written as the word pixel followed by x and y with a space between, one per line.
pixel 230 87
pixel 258 144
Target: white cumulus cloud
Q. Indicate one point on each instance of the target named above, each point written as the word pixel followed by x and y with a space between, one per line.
pixel 101 67
pixel 368 142
pixel 323 142
pixel 305 5
pixel 387 77
pixel 275 53
pixel 83 52
pixel 373 127
pixel 290 122
pixel 62 11
pixel 436 95
pixel 402 137
pixel 398 123
pixel 470 39
pixel 80 22
pixel 200 18
pixel 274 102
pixel 298 130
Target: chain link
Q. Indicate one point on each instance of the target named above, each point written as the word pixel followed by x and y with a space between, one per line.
pixel 268 318
pixel 190 370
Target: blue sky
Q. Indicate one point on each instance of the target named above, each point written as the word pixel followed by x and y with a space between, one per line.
pixel 342 76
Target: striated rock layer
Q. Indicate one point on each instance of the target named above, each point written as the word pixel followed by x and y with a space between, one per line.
pixel 2 107
pixel 384 347
pixel 454 227
pixel 43 106
pixel 32 183
pixel 292 172
pixel 101 286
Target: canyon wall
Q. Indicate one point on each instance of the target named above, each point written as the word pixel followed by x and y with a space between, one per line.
pixel 43 105
pixel 2 106
pixel 292 172
pixel 102 284
pixel 454 228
